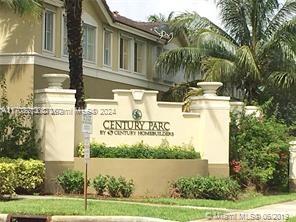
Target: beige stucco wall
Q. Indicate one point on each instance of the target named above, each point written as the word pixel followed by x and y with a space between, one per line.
pixel 20 82
pixel 151 177
pixel 122 107
pixel 18 33
pixel 94 87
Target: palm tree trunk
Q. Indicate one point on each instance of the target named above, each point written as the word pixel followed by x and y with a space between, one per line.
pixel 74 33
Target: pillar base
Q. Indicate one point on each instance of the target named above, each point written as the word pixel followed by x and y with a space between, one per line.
pixel 52 170
pixel 292 185
pixel 219 170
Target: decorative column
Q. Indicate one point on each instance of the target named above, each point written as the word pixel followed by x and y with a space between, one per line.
pixel 292 166
pixel 214 127
pixel 55 118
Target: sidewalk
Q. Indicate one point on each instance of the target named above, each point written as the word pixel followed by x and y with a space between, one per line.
pixel 275 212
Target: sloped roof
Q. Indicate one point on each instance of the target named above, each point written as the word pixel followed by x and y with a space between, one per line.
pixel 147 27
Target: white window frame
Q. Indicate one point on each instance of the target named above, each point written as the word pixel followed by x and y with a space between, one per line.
pixel 143 59
pixel 111 47
pixel 94 61
pixel 46 51
pixel 130 62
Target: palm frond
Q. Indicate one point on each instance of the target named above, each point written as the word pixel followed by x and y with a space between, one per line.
pixel 234 18
pixel 21 7
pixel 190 22
pixel 214 44
pixel 218 69
pixel 282 44
pixel 187 58
pixel 286 12
pixel 247 62
pixel 283 79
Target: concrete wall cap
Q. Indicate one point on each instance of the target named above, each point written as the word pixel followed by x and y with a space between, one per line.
pixel 132 90
pixel 213 98
pixel 170 103
pixel 94 101
pixel 55 91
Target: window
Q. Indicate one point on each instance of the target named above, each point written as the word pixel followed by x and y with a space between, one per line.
pixel 139 57
pixel 124 53
pixel 107 48
pixel 48 35
pixel 89 42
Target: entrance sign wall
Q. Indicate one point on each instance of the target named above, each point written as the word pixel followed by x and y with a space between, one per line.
pixel 133 116
pixel 136 115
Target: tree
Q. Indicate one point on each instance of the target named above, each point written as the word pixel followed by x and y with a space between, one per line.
pixel 257 48
pixel 74 33
pixel 161 17
pixel 23 6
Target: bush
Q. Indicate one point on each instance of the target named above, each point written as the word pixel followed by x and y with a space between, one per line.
pixel 17 130
pixel 140 151
pixel 7 178
pixel 23 176
pixel 206 188
pixel 30 175
pixel 100 184
pixel 115 187
pixel 71 181
pixel 126 187
pixel 259 152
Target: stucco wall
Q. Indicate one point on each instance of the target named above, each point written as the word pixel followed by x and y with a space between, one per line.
pixel 19 80
pixel 18 33
pixel 153 112
pixel 151 177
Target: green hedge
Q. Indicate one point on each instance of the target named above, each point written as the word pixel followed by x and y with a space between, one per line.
pixel 20 176
pixel 140 151
pixel 206 188
pixel 7 178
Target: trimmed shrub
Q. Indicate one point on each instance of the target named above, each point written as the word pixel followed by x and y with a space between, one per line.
pixel 28 175
pixel 140 151
pixel 206 188
pixel 259 152
pixel 100 184
pixel 126 187
pixel 115 187
pixel 71 181
pixel 7 178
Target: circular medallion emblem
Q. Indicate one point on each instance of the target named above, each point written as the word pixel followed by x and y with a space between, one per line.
pixel 137 114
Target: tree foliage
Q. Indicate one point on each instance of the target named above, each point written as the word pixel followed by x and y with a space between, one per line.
pixel 255 47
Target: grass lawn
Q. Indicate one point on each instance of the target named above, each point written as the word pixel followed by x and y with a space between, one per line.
pixel 292 219
pixel 248 202
pixel 100 208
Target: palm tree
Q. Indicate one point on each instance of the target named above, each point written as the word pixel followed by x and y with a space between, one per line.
pixel 161 17
pixel 256 48
pixel 23 6
pixel 74 34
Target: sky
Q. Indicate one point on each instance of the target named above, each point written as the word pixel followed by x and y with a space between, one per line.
pixel 140 9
